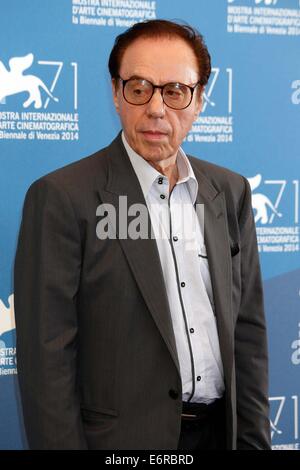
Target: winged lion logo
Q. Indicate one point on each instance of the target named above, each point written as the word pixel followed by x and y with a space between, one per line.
pixel 7 316
pixel 13 81
pixel 260 202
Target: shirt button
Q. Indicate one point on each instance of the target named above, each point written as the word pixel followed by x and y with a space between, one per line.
pixel 160 180
pixel 199 378
pixel 175 239
pixel 162 196
pixel 182 284
pixel 192 330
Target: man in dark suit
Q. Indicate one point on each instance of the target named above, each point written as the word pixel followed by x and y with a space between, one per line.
pixel 131 341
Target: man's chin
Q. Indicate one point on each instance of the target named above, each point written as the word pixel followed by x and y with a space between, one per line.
pixel 154 155
pixel 149 150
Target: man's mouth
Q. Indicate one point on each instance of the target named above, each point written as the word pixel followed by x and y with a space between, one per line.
pixel 153 134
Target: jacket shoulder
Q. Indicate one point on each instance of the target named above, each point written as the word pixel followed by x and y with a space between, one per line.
pixel 78 177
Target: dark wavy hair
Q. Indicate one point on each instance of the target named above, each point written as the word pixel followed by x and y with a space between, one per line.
pixel 158 29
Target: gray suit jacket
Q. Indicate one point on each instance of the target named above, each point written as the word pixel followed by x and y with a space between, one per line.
pixel 97 359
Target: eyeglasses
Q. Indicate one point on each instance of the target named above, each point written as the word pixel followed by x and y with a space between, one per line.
pixel 139 91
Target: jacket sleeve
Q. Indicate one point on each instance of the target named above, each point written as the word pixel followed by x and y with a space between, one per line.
pixel 251 355
pixel 46 279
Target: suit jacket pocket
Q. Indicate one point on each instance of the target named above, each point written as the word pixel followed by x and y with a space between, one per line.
pixel 96 414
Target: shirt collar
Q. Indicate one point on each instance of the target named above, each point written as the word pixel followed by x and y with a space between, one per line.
pixel 147 175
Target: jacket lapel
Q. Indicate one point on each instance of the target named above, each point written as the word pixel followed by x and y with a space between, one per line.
pixel 142 254
pixel 217 243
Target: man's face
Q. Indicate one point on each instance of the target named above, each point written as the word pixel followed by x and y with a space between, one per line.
pixel 154 130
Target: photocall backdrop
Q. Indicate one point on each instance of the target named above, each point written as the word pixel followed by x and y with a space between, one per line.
pixel 56 107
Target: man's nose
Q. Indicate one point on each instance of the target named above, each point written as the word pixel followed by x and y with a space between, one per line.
pixel 156 106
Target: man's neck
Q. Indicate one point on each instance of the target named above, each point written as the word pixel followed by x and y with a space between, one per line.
pixel 167 167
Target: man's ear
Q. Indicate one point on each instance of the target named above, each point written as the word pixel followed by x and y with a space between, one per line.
pixel 115 90
pixel 199 101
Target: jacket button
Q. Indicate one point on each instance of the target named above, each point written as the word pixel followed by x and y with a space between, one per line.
pixel 173 394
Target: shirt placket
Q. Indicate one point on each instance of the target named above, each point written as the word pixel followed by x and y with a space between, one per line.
pixel 177 245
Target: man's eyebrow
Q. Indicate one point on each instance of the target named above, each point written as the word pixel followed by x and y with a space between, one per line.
pixel 138 77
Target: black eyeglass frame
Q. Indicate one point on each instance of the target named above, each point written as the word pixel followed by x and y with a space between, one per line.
pixel 161 87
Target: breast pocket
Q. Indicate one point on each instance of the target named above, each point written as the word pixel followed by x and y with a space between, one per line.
pixel 236 278
pixel 205 274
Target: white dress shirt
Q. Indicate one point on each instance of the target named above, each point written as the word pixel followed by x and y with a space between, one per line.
pixel 179 237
